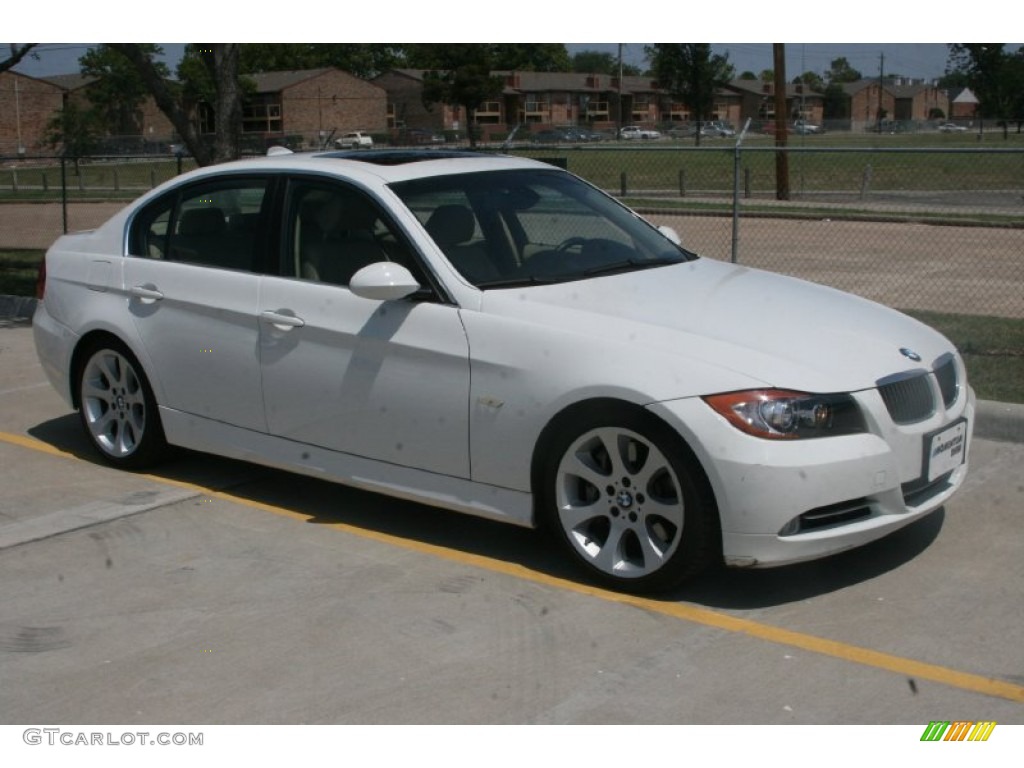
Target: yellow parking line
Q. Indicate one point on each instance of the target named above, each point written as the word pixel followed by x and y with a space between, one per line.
pixel 690 613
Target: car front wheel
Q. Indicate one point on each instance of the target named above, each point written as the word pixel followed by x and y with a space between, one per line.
pixel 117 407
pixel 630 503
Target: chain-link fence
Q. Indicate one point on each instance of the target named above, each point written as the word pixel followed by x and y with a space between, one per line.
pixel 926 229
pixel 936 229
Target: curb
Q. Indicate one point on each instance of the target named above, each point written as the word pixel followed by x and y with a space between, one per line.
pixel 999 421
pixel 992 420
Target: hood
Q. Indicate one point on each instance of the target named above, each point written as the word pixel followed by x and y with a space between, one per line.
pixel 777 330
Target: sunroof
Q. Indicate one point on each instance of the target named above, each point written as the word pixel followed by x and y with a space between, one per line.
pixel 399 156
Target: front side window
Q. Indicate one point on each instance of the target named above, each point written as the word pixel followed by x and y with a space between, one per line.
pixel 332 231
pixel 215 225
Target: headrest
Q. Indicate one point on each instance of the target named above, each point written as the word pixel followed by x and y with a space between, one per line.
pixel 202 221
pixel 451 225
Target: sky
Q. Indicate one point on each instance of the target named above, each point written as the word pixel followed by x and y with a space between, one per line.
pixel 918 60
pixel 912 38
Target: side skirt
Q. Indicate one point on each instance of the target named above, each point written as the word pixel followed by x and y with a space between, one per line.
pixel 454 493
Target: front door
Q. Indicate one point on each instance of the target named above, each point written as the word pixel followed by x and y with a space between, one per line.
pixel 386 380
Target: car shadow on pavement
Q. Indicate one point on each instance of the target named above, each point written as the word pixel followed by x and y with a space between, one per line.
pixel 327 503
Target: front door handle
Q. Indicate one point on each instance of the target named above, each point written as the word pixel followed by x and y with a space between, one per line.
pixel 147 293
pixel 282 321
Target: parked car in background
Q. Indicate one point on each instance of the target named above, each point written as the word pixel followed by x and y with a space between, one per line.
pixel 354 140
pixel 804 128
pixel 636 132
pixel 719 128
pixel 552 136
pixel 682 131
pixel 420 137
pixel 495 336
pixel 586 134
pixel 952 128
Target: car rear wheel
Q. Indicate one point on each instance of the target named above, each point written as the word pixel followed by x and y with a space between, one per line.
pixel 630 502
pixel 117 407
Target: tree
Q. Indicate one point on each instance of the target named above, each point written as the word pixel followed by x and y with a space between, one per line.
pixel 836 105
pixel 18 52
pixel 691 73
pixel 117 91
pixel 74 130
pixel 600 63
pixel 218 61
pixel 459 75
pixel 840 71
pixel 531 57
pixel 812 80
pixel 364 60
pixel 995 75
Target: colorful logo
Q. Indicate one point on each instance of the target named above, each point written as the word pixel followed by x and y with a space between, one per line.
pixel 958 730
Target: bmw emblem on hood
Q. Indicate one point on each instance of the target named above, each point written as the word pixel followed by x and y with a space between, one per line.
pixel 910 354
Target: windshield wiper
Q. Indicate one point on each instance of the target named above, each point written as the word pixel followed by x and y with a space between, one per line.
pixel 519 282
pixel 629 265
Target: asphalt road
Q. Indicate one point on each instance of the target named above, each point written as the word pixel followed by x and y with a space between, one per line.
pixel 217 592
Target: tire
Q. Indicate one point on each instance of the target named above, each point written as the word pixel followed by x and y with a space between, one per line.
pixel 628 500
pixel 117 407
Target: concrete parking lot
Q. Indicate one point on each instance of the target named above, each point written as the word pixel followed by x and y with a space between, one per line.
pixel 212 591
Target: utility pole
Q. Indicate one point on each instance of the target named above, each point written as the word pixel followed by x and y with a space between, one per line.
pixel 881 86
pixel 618 132
pixel 781 133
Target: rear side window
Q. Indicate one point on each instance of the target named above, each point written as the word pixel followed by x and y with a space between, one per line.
pixel 215 225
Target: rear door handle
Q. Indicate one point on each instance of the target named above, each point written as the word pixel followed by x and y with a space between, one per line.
pixel 147 293
pixel 281 321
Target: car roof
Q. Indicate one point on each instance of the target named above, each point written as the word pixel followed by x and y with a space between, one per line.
pixel 387 165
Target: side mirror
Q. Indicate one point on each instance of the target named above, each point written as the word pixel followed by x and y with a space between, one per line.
pixel 671 234
pixel 383 281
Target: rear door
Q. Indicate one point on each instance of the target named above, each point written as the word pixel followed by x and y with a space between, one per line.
pixel 193 291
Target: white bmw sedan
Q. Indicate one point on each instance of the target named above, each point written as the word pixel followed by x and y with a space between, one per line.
pixel 495 336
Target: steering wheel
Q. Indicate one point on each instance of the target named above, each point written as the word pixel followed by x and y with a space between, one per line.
pixel 572 242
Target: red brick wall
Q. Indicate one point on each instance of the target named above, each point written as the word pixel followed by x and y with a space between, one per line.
pixel 333 101
pixel 33 105
pixel 405 94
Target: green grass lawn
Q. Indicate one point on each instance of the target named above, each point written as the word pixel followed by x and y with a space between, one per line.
pixel 18 271
pixel 993 347
pixel 91 179
pixel 993 350
pixel 813 170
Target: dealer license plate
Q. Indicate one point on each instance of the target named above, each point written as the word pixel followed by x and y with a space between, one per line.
pixel 946 449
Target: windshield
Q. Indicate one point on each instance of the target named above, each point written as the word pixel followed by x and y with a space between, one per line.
pixel 506 228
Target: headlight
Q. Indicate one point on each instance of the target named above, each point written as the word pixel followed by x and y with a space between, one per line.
pixel 778 414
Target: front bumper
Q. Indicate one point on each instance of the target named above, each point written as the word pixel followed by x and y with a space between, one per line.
pixel 784 502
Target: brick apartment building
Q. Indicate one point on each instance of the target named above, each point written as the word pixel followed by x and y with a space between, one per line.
pixel 757 101
pixel 303 106
pixel 313 104
pixel 306 108
pixel 539 100
pixel 899 101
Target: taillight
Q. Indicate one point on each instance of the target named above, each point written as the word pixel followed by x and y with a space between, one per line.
pixel 41 279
